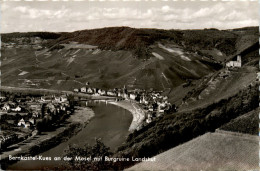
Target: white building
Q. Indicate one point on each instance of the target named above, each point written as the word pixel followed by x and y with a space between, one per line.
pixel 103 93
pixel 27 124
pixel 46 99
pixel 6 107
pixel 21 122
pixel 144 100
pixel 90 91
pixel 2 98
pixel 119 94
pixel 83 90
pixel 110 93
pixel 150 109
pixel 148 120
pixel 125 95
pixel 237 63
pixel 61 99
pixel 133 96
pixel 17 109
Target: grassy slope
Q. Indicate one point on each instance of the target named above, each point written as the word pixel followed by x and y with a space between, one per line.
pixel 211 151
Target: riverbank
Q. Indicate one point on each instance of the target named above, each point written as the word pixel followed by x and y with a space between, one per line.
pixel 137 112
pixel 40 143
pixel 80 115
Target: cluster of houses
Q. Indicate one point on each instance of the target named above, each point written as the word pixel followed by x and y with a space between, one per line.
pixel 100 92
pixel 24 113
pixel 44 107
pixel 26 123
pixel 23 42
pixel 11 106
pixel 54 99
pixel 52 104
pixel 153 103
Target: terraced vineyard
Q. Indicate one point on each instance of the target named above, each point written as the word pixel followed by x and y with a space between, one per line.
pixel 187 65
pixel 225 151
pixel 117 56
pixel 102 68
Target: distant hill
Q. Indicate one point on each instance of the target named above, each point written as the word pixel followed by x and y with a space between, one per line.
pixel 10 37
pixel 115 56
pixel 187 65
pixel 222 42
pixel 126 38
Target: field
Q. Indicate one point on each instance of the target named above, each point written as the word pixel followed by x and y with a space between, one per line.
pixel 211 151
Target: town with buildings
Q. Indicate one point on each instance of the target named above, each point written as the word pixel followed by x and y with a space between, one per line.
pixel 151 102
pixel 24 42
pixel 26 116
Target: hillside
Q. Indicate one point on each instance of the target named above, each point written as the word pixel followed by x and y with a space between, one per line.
pixel 116 56
pixel 221 84
pixel 176 128
pixel 211 151
pixel 102 68
pixel 247 123
pixel 187 65
pixel 212 88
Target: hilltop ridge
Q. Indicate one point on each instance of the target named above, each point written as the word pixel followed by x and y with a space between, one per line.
pixel 127 38
pixel 115 56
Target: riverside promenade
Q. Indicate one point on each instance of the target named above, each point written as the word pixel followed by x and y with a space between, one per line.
pixel 137 112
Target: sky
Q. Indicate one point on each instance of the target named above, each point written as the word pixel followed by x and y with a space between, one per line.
pixel 68 16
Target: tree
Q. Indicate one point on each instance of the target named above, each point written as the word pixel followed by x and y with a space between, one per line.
pixel 142 52
pixel 39 126
pixel 43 109
pixel 97 150
pixel 71 101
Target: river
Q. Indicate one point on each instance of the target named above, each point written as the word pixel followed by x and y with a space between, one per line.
pixel 110 123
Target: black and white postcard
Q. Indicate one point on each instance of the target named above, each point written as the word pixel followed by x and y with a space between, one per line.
pixel 129 85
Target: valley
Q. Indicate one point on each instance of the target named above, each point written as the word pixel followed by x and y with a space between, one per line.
pixel 187 69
